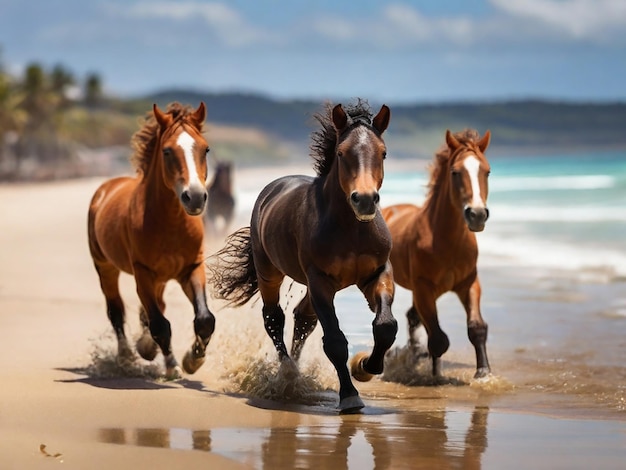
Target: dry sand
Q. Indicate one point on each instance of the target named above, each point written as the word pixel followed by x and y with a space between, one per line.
pixel 53 322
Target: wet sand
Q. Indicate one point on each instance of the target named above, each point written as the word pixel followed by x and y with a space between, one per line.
pixel 61 388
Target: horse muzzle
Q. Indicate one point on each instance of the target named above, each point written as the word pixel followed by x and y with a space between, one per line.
pixel 364 205
pixel 476 217
pixel 194 199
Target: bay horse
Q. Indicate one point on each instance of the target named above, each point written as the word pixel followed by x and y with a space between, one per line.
pixel 434 246
pixel 221 203
pixel 327 233
pixel 150 226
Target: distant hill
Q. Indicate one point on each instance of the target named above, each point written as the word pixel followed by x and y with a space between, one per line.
pixel 417 129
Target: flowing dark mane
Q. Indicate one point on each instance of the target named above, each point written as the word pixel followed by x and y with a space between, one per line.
pixel 145 140
pixel 466 137
pixel 324 140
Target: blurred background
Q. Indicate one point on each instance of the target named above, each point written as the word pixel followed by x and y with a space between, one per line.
pixel 546 76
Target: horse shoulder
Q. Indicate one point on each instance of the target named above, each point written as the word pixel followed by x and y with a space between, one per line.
pixel 109 221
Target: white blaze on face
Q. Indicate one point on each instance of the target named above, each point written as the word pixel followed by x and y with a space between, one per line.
pixel 472 165
pixel 363 142
pixel 186 142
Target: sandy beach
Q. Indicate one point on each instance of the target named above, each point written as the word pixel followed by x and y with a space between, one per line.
pixel 60 406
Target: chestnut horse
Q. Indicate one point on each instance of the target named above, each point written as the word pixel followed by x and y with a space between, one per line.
pixel 151 227
pixel 327 233
pixel 434 246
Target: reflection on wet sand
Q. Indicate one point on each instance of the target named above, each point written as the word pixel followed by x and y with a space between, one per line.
pixel 406 440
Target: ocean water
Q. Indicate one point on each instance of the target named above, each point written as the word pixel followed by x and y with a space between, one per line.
pixel 552 265
pixel 565 211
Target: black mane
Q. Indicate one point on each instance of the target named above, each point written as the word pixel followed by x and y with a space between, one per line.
pixel 324 140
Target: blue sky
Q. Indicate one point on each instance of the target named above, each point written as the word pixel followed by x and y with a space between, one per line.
pixel 399 51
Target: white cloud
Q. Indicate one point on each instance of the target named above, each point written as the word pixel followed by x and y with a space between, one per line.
pixel 226 23
pixel 580 19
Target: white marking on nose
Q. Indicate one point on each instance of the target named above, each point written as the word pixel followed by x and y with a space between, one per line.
pixel 472 165
pixel 186 142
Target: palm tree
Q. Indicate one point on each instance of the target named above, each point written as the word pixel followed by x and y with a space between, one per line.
pixel 93 90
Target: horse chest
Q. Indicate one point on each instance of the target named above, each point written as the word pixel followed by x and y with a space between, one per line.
pixel 350 263
pixel 168 252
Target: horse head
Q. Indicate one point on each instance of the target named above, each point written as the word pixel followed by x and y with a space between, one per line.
pixel 360 152
pixel 469 172
pixel 183 150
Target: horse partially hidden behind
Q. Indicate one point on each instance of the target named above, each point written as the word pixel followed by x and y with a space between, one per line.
pixel 327 233
pixel 151 227
pixel 221 203
pixel 434 246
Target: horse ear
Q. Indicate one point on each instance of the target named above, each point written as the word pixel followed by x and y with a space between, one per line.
pixel 340 118
pixel 453 144
pixel 199 115
pixel 381 120
pixel 164 119
pixel 484 142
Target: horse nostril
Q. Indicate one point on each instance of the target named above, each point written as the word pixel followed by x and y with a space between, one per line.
pixel 185 197
pixel 376 198
pixel 486 213
pixel 469 213
pixel 355 197
pixel 205 196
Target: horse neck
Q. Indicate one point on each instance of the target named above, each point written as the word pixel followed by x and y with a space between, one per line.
pixel 334 198
pixel 159 199
pixel 445 217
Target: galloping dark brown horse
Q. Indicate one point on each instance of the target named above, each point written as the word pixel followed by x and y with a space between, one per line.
pixel 434 246
pixel 221 203
pixel 327 233
pixel 150 226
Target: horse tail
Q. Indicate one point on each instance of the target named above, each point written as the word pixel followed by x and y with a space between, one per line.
pixel 231 271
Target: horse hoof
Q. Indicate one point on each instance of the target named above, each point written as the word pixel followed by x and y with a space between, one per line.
pixel 173 373
pixel 350 405
pixel 192 363
pixel 482 372
pixel 357 370
pixel 147 347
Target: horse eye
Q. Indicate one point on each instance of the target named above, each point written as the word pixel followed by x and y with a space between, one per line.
pixel 340 153
pixel 384 155
pixel 167 151
pixel 455 173
pixel 206 152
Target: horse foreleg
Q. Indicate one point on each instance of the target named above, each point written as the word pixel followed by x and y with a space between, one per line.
pixel 109 277
pixel 204 320
pixel 476 326
pixel 322 293
pixel 150 295
pixel 305 321
pixel 146 346
pixel 438 342
pixel 379 294
pixel 416 347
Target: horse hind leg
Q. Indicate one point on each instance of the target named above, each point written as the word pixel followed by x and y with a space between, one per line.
pixel 109 276
pixel 305 321
pixel 274 323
